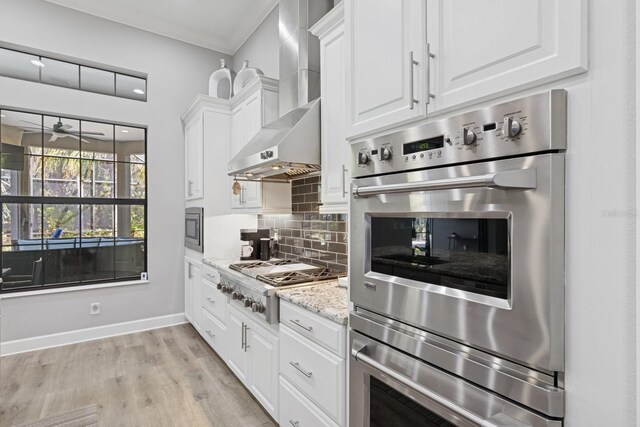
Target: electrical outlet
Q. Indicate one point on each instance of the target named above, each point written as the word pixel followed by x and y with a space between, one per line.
pixel 94 308
pixel 143 276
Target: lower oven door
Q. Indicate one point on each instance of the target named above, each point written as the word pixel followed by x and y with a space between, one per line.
pixel 474 253
pixel 390 388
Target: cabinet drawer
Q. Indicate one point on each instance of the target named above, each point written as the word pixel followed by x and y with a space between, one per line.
pixel 214 301
pixel 210 274
pixel 213 332
pixel 319 374
pixel 298 411
pixel 328 334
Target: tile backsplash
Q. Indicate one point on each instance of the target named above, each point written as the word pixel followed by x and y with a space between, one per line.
pixel 307 235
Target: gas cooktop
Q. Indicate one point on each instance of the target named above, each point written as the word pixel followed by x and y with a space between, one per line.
pixel 286 272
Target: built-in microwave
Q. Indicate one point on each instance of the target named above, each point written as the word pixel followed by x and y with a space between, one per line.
pixel 193 229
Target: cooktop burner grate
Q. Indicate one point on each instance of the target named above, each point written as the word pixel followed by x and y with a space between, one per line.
pixel 296 277
pixel 259 264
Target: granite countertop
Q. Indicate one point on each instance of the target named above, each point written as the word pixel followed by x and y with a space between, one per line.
pixel 325 299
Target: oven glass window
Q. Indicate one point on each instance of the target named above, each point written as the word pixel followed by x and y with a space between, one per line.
pixel 389 407
pixel 470 254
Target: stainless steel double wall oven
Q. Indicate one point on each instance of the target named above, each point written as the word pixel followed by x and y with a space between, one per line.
pixel 457 270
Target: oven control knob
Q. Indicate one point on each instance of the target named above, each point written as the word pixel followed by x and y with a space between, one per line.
pixel 363 158
pixel 219 286
pixel 511 128
pixel 247 302
pixel 468 136
pixel 225 289
pixel 236 295
pixel 385 154
pixel 257 307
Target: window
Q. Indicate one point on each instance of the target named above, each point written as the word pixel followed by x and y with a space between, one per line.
pixel 73 198
pixel 20 64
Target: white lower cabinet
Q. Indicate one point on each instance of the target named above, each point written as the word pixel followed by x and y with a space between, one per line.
pixel 296 410
pixel 253 357
pixel 213 332
pixel 192 279
pixel 312 368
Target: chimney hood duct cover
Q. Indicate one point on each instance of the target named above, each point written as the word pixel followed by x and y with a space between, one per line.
pixel 284 148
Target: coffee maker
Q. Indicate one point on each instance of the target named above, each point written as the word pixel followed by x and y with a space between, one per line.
pixel 250 239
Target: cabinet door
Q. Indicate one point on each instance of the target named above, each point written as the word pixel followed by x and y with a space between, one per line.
pixel 487 49
pixel 263 349
pixel 237 353
pixel 335 149
pixel 253 122
pixel 385 44
pixel 188 292
pixel 196 300
pixel 194 158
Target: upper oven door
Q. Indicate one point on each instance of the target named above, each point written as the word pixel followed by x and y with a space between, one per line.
pixel 473 252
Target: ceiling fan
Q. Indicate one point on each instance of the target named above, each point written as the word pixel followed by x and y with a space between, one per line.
pixel 61 130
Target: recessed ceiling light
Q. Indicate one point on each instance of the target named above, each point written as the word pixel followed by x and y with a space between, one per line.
pixel 37 63
pixel 138 91
pixel 124 131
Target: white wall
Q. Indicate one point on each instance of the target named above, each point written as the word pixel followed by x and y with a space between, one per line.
pixel 261 48
pixel 177 71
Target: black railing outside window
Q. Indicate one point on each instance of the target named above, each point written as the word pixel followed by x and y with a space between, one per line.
pixel 73 198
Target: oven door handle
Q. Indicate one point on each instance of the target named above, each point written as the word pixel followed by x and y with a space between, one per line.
pixel 497 420
pixel 522 179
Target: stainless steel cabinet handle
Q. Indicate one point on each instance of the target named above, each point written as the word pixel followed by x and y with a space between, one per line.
pixel 344 181
pixel 211 300
pixel 242 343
pixel 189 188
pixel 412 63
pixel 359 356
pixel 210 334
pixel 246 344
pixel 242 201
pixel 190 275
pixel 515 179
pixel 294 423
pixel 297 323
pixel 428 75
pixel 297 366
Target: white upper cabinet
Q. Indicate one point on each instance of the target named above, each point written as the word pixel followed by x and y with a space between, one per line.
pixel 490 48
pixel 334 147
pixel 194 181
pixel 385 54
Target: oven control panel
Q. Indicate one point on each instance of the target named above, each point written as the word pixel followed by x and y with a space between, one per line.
pixel 524 126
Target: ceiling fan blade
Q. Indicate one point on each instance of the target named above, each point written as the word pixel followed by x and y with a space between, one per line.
pixel 64 128
pixel 36 124
pixel 54 137
pixel 87 133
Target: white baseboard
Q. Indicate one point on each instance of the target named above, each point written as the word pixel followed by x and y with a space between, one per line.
pixel 80 335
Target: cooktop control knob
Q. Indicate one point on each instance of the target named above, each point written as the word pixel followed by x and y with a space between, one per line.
pixel 219 286
pixel 257 307
pixel 511 128
pixel 385 154
pixel 247 302
pixel 468 136
pixel 363 158
pixel 225 289
pixel 236 295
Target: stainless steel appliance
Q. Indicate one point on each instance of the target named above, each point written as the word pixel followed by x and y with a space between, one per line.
pixel 461 225
pixel 290 146
pixel 253 285
pixel 193 229
pixel 251 238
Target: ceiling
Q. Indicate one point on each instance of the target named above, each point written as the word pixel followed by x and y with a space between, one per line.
pixel 221 25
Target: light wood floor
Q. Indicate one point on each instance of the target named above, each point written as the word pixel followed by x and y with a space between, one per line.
pixel 163 377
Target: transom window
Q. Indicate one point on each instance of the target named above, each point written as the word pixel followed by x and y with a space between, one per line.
pixel 73 197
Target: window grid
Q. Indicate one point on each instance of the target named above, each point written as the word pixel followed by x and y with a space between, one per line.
pixel 83 240
pixel 80 66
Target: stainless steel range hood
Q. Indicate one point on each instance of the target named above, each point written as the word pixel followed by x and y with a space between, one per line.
pixel 290 146
pixel 284 148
